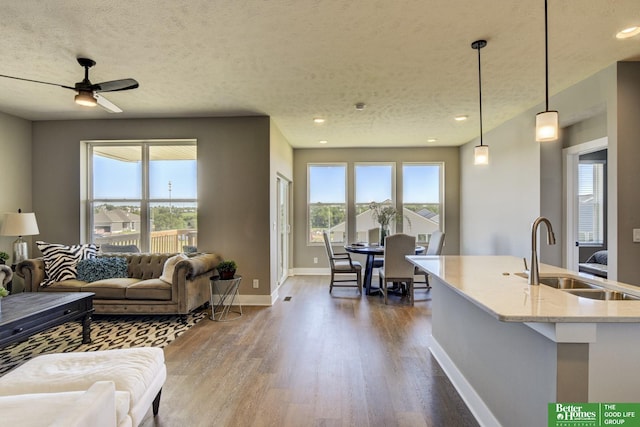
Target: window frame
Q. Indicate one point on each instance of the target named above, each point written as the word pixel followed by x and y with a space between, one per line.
pixel 601 204
pixel 145 202
pixel 308 207
pixel 441 193
pixel 394 199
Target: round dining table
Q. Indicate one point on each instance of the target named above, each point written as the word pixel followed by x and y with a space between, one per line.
pixel 371 251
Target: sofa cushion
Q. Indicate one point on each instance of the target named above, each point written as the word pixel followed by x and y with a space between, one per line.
pixel 93 269
pixel 115 288
pixel 73 285
pixel 60 261
pixel 152 289
pixel 170 266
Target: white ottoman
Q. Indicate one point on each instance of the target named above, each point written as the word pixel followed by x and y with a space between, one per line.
pixel 141 372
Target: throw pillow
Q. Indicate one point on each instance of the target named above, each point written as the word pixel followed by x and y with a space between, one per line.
pixel 60 261
pixel 170 266
pixel 93 269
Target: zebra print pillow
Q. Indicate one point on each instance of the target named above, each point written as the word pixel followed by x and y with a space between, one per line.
pixel 60 261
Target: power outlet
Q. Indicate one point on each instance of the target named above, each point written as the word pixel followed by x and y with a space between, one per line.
pixel 315 260
pixel 256 283
pixel 636 235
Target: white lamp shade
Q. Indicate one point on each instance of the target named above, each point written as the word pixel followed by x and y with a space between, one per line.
pixel 481 155
pixel 19 224
pixel 547 126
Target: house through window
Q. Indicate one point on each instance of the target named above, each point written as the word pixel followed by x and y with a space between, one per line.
pixel 143 193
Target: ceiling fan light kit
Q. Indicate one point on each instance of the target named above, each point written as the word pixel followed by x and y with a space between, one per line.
pixel 87 93
pixel 86 99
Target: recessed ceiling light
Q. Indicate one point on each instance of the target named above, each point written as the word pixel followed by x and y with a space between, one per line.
pixel 431 140
pixel 461 118
pixel 318 120
pixel 628 32
pixel 360 106
pixel 324 141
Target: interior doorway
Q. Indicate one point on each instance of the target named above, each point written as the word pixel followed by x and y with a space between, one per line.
pixel 586 200
pixel 283 228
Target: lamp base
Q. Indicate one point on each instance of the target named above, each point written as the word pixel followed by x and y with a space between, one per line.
pixel 20 250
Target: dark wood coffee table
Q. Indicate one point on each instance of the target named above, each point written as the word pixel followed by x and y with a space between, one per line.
pixel 27 313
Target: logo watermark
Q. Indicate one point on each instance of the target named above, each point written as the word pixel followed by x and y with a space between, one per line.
pixel 594 414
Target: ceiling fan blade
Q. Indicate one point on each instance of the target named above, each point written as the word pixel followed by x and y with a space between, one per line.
pixel 106 104
pixel 115 85
pixel 37 81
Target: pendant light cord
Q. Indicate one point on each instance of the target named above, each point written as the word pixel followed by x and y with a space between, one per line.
pixel 546 58
pixel 480 90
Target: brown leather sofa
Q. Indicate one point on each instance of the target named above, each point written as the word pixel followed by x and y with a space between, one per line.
pixel 142 292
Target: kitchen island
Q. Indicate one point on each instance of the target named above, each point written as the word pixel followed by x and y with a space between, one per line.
pixel 511 348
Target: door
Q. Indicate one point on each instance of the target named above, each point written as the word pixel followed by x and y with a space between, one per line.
pixel 586 201
pixel 284 228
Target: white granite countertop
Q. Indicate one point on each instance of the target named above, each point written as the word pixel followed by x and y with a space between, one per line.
pixel 490 283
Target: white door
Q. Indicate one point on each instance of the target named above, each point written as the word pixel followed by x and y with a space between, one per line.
pixel 284 229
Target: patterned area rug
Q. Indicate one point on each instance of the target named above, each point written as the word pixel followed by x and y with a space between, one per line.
pixel 107 332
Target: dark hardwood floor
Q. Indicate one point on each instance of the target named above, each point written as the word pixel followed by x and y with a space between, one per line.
pixel 316 360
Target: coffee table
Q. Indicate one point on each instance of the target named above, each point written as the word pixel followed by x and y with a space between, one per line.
pixel 27 313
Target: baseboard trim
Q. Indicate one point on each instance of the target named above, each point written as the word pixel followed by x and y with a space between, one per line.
pixel 476 405
pixel 311 272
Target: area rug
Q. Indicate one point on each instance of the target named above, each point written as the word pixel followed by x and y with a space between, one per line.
pixel 107 332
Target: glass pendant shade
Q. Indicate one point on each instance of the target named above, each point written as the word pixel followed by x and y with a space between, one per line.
pixel 481 155
pixel 547 126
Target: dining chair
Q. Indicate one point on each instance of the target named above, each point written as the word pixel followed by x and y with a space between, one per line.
pixel 396 268
pixel 436 242
pixel 374 239
pixel 341 263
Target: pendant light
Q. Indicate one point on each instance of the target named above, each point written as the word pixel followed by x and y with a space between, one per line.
pixel 546 121
pixel 481 152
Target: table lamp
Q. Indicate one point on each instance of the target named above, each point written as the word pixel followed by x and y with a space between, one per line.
pixel 19 224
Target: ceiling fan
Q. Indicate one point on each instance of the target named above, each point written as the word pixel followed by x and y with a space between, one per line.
pixel 87 93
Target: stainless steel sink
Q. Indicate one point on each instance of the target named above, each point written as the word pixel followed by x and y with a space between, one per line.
pixel 567 283
pixel 602 294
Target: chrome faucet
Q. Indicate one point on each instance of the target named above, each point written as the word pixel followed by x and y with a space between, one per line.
pixel 534 274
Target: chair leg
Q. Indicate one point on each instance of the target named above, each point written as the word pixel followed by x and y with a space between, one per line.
pixel 410 290
pixel 156 403
pixel 331 284
pixel 359 279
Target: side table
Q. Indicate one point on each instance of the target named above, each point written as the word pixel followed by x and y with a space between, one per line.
pixel 225 292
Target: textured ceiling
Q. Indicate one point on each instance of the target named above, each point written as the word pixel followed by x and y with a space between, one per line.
pixel 410 61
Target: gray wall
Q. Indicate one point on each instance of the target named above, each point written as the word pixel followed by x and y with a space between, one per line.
pixel 15 153
pixel 628 172
pixel 304 254
pixel 501 200
pixel 233 182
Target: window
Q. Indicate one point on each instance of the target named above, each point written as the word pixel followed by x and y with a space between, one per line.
pixel 374 182
pixel 591 203
pixel 422 199
pixel 327 202
pixel 143 194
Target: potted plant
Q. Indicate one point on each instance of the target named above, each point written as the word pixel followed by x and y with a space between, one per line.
pixel 384 215
pixel 3 257
pixel 226 269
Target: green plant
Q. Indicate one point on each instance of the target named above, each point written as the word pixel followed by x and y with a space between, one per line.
pixel 3 292
pixel 227 266
pixel 226 269
pixel 4 256
pixel 385 214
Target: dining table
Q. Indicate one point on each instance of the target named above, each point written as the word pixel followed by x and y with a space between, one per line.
pixel 371 250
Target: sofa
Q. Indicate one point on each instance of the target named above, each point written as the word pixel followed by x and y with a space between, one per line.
pixel 184 288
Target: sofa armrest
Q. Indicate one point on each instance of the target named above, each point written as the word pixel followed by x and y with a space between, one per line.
pixel 197 265
pixel 32 271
